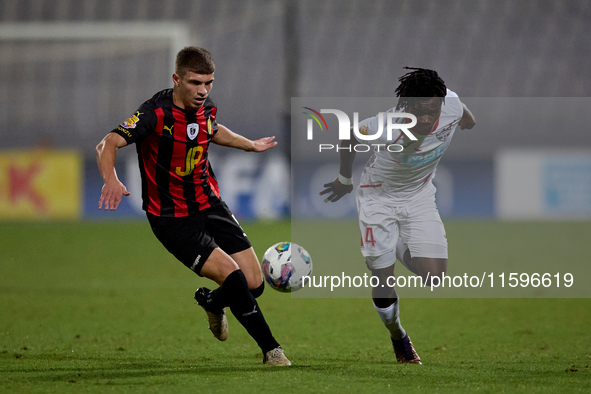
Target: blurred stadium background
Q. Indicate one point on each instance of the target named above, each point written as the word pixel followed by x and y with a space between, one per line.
pixel 99 306
pixel 73 70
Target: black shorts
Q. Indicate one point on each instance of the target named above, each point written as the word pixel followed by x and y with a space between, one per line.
pixel 191 239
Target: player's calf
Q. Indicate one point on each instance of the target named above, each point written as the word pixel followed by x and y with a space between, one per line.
pixel 246 310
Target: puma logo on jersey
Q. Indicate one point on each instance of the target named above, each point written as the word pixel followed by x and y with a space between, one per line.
pixel 169 129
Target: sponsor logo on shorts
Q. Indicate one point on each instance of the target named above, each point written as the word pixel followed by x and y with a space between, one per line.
pixel 194 266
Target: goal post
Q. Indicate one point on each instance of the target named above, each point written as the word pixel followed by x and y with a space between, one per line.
pixel 65 83
pixel 177 32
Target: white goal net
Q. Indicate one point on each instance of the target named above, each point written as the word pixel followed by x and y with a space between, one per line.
pixel 68 84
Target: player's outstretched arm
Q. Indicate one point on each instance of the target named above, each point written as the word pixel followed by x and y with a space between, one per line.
pixel 467 121
pixel 342 184
pixel 226 137
pixel 113 190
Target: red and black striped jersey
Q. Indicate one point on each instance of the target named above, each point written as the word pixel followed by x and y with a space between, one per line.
pixel 172 144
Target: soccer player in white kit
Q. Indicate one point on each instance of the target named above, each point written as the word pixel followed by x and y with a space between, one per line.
pixel 398 217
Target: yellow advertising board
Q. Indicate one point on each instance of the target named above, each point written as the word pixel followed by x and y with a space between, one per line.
pixel 40 184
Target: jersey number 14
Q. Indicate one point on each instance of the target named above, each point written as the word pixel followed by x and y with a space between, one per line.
pixel 369 239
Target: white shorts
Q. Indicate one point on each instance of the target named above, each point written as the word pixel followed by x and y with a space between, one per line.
pixel 382 221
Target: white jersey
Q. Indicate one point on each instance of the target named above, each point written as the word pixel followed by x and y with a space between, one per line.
pixel 401 175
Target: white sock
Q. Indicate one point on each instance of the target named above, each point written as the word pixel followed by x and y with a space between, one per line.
pixel 391 320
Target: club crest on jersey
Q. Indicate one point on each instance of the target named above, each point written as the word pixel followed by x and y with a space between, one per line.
pixel 443 134
pixel 192 130
pixel 131 122
pixel 446 131
pixel 209 131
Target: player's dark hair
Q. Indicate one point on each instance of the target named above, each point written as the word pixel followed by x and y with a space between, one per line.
pixel 420 82
pixel 194 59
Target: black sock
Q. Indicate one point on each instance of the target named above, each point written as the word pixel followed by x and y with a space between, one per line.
pixel 217 300
pixel 235 293
pixel 256 293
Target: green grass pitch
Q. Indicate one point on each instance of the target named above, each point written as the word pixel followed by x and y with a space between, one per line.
pixel 102 307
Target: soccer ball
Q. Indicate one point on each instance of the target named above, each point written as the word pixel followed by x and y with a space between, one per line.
pixel 284 266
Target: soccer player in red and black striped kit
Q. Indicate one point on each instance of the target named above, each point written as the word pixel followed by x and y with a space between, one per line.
pixel 180 194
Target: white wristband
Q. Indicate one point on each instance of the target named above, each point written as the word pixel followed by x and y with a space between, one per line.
pixel 344 180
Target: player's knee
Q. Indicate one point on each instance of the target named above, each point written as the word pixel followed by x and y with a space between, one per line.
pixel 430 267
pixel 380 263
pixel 218 266
pixel 256 293
pixel 438 267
